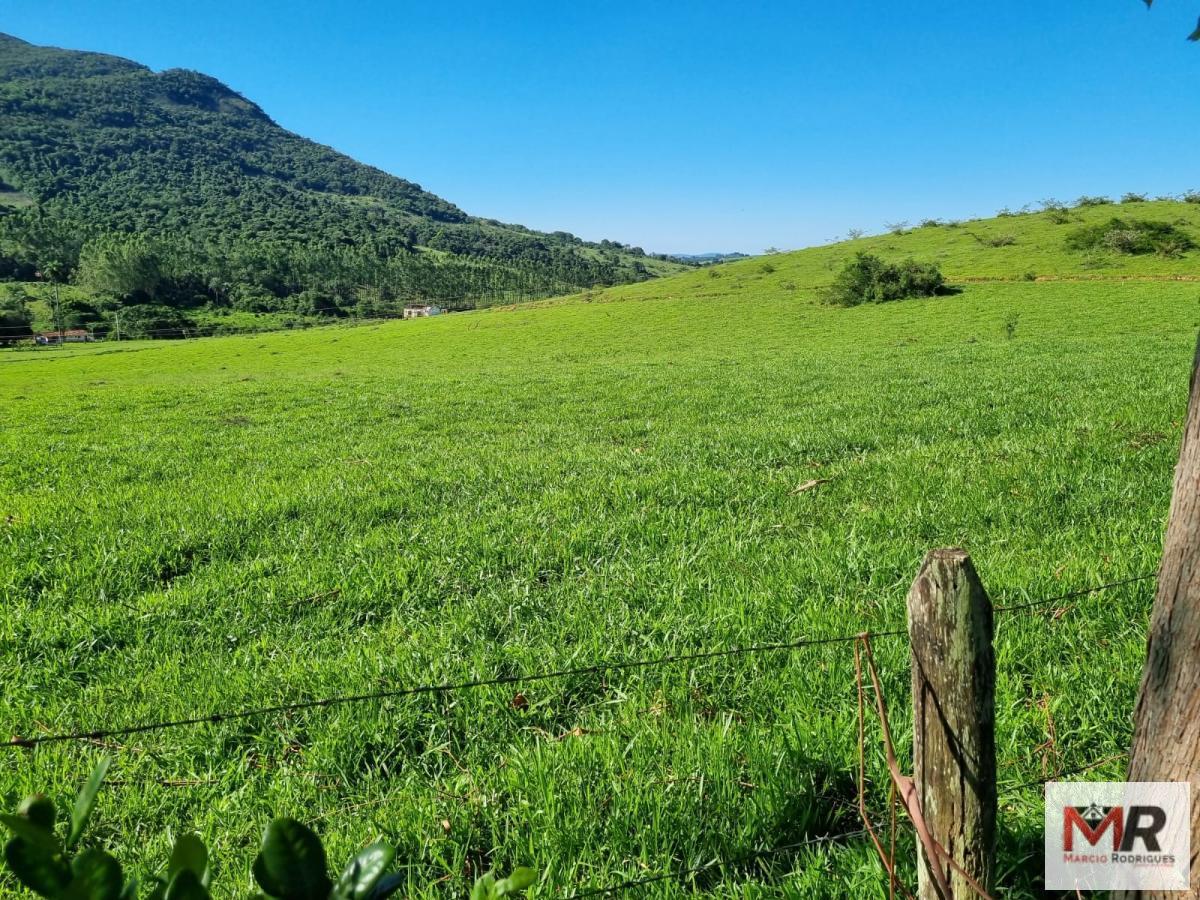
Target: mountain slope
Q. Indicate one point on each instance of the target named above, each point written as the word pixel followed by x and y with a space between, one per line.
pixel 1028 246
pixel 101 144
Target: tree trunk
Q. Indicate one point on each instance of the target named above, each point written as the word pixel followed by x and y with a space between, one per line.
pixel 1166 733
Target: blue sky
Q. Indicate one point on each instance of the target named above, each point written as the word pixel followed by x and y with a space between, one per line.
pixel 696 126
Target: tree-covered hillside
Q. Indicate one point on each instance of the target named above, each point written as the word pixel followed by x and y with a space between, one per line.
pixel 171 188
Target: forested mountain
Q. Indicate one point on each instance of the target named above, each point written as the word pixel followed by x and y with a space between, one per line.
pixel 169 188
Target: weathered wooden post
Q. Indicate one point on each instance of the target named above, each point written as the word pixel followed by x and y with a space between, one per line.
pixel 954 720
pixel 1166 727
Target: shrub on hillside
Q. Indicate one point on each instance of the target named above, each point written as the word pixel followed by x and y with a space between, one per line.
pixel 1191 196
pixel 1133 197
pixel 1132 237
pixel 868 279
pixel 1085 200
pixel 994 240
pixel 1056 211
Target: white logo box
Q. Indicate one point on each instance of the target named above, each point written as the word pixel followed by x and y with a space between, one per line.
pixel 1117 835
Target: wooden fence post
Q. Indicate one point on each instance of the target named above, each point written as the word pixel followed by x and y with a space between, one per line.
pixel 1166 722
pixel 954 719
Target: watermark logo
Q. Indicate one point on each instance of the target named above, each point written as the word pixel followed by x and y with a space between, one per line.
pixel 1115 835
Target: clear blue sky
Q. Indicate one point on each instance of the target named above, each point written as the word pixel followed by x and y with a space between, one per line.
pixel 693 126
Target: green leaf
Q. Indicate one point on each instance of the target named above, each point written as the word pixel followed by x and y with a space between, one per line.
pixel 294 861
pixel 484 887
pixel 97 876
pixel 521 878
pixel 130 892
pixel 159 891
pixel 264 879
pixel 42 872
pixel 86 802
pixel 189 855
pixel 387 886
pixel 359 878
pixel 186 885
pixel 1195 35
pixel 28 830
pixel 39 810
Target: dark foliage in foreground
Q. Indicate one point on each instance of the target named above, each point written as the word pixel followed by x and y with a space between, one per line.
pixel 291 863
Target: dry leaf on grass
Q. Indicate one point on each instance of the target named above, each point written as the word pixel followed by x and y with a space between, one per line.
pixel 809 485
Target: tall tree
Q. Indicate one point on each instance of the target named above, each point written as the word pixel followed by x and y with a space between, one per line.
pixel 1194 36
pixel 1166 730
pixel 1166 735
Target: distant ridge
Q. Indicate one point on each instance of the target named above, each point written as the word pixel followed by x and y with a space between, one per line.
pixel 103 145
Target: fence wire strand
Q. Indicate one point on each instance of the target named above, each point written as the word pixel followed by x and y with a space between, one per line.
pixel 524 678
pixel 1073 595
pixel 861 641
pixel 1062 773
pixel 339 700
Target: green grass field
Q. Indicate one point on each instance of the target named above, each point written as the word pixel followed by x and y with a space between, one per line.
pixel 236 522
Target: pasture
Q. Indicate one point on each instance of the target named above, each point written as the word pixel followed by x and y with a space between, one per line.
pixel 239 522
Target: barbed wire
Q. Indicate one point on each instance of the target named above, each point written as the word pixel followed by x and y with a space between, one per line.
pixel 1050 601
pixel 213 329
pixel 1062 773
pixel 524 678
pixel 861 640
pixel 596 668
pixel 220 329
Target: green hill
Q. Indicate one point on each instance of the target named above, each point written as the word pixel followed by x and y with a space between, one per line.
pixel 700 462
pixel 93 146
pixel 1030 246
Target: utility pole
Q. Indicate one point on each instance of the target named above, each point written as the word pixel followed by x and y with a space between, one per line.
pixel 58 316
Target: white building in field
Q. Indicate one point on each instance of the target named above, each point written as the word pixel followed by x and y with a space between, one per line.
pixel 69 336
pixel 420 311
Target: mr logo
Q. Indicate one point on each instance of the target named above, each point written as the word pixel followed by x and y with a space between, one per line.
pixel 1141 823
pixel 1116 835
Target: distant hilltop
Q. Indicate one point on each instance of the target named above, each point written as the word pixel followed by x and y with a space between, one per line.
pixel 705 259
